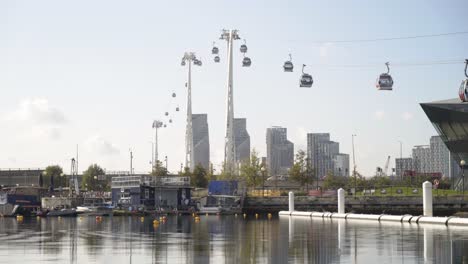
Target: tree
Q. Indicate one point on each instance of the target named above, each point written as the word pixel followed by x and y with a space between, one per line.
pixel 186 172
pixel 198 177
pixel 91 179
pixel 251 171
pixel 359 181
pixel 55 172
pixel 159 169
pixel 332 181
pixel 210 175
pixel 225 175
pixel 380 181
pixel 301 170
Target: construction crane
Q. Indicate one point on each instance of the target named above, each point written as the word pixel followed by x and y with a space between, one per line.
pixel 386 166
pixel 383 172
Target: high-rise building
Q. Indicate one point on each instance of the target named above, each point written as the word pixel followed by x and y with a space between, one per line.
pixel 422 158
pixel 201 141
pixel 321 153
pixel 441 159
pixel 434 158
pixel 402 165
pixel 280 151
pixel 241 140
pixel 341 163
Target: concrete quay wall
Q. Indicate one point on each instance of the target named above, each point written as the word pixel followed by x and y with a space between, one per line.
pixel 442 206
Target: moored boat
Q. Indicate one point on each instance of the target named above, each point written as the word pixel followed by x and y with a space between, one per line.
pixel 220 204
pixel 62 213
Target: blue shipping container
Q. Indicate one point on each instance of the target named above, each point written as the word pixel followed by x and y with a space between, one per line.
pixel 222 188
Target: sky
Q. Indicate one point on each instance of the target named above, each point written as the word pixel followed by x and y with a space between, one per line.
pixel 97 73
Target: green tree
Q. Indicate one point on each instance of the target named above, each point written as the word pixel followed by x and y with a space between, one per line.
pixel 211 176
pixel 91 179
pixel 301 171
pixel 251 171
pixel 55 171
pixel 198 177
pixel 332 181
pixel 159 169
pixel 186 172
pixel 360 181
pixel 225 175
pixel 380 181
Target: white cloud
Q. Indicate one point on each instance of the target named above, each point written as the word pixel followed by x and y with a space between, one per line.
pixel 37 111
pixel 407 116
pixel 37 118
pixel 379 115
pixel 101 146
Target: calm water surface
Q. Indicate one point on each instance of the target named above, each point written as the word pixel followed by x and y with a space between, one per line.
pixel 227 239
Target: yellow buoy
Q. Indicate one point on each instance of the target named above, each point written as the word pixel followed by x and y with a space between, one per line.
pixel 19 218
pixel 142 219
pixel 256 216
pixel 155 222
pixel 269 215
pixel 193 214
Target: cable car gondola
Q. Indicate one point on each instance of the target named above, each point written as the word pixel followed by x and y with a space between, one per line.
pixel 173 94
pixel 215 49
pixel 243 47
pixel 166 114
pixel 177 109
pixel 288 65
pixel 216 59
pixel 306 79
pixel 385 81
pixel 170 120
pixel 463 92
pixel 246 62
pixel 164 125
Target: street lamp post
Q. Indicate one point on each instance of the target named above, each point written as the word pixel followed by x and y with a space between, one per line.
pixel 401 161
pixel 263 181
pixel 462 164
pixel 95 179
pixel 354 166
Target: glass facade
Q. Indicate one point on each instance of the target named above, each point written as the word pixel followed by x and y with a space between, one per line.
pixel 450 119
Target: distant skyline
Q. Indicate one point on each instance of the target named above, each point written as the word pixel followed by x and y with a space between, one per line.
pixel 97 73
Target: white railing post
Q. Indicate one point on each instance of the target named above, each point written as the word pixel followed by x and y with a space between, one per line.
pixel 427 198
pixel 341 201
pixel 291 202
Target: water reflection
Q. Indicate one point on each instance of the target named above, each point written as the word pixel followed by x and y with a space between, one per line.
pixel 223 239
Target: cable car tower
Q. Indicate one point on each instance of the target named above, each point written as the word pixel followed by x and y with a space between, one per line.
pixel 188 59
pixel 230 147
pixel 156 125
pixel 73 180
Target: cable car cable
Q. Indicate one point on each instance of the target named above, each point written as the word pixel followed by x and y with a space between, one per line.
pixel 384 39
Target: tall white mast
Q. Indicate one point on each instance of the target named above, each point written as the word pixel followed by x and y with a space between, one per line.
pixel 189 58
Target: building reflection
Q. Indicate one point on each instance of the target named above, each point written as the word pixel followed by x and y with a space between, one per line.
pixel 227 239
